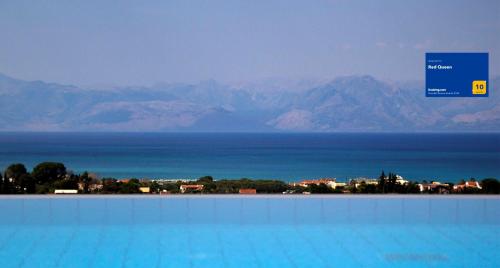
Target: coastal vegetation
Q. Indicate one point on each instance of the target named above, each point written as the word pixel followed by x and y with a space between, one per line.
pixel 46 177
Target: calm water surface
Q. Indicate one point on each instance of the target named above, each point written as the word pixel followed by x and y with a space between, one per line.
pixel 448 157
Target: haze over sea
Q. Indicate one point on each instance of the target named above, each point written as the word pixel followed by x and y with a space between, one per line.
pixel 447 157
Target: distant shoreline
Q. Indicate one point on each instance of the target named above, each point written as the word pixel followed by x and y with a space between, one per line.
pixel 54 178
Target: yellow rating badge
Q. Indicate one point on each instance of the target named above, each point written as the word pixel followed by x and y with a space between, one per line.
pixel 479 87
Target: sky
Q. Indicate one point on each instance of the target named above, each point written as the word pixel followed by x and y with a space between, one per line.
pixel 99 42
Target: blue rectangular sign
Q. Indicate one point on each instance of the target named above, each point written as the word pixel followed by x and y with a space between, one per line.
pixel 456 75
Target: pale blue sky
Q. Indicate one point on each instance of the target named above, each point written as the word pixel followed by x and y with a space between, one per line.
pixel 145 42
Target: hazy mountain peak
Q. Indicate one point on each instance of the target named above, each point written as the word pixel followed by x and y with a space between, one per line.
pixel 348 103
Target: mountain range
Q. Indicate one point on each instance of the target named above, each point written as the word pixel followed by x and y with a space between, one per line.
pixel 344 104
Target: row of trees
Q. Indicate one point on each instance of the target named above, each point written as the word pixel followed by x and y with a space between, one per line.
pixel 233 186
pixel 211 186
pixel 44 178
pixel 385 184
pixel 48 176
pixel 389 184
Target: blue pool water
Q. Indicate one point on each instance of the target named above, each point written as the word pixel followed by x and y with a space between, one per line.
pixel 251 231
pixel 289 157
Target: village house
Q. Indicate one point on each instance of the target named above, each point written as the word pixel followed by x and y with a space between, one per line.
pixel 306 183
pixel 434 187
pixel 248 191
pixel 191 188
pixel 367 181
pixel 338 185
pixel 330 182
pixel 167 181
pixel 401 180
pixel 358 181
pixel 145 190
pixel 467 184
pixel 93 187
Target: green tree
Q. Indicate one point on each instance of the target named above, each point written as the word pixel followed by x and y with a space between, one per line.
pixel 12 175
pixel 49 172
pixel 110 186
pixel 209 186
pixel 1 183
pixel 320 189
pixel 365 188
pixel 65 183
pixel 490 186
pixel 27 184
pixel 131 187
pixel 352 188
pixel 155 187
pixel 15 171
pixel 172 187
pixel 7 186
pixel 205 179
pixel 267 186
pixel 86 180
pixel 381 182
pixel 391 183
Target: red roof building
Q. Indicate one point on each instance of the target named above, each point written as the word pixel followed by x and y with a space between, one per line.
pixel 467 184
pixel 191 188
pixel 248 191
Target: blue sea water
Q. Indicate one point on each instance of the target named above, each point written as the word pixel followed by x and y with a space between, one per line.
pixel 250 231
pixel 445 157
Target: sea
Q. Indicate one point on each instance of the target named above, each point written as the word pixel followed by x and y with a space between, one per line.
pixel 446 157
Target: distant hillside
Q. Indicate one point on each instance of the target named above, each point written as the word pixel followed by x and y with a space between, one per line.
pixel 354 103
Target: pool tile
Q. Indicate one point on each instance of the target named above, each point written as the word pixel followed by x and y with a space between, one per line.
pixel 282 210
pixel 416 210
pixel 174 210
pixel 336 210
pixel 272 232
pixel 255 210
pixel 201 210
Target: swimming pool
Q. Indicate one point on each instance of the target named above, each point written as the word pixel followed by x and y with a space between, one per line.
pixel 250 231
